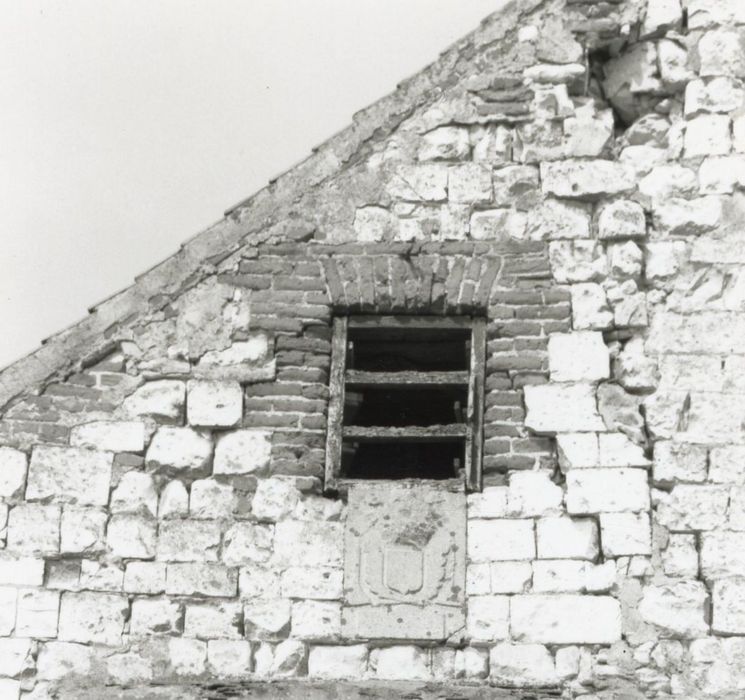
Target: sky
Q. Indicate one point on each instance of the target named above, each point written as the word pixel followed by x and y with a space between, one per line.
pixel 127 126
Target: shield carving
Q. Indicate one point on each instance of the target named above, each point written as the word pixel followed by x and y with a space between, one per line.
pixel 403 569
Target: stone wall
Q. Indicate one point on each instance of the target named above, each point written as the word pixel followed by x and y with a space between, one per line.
pixel 574 171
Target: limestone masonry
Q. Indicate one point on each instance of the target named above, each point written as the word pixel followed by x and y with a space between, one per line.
pixel 574 172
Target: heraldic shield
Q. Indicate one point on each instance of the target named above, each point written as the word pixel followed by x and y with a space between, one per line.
pixel 404 561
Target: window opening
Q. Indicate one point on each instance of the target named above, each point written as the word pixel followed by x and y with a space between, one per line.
pixel 406 399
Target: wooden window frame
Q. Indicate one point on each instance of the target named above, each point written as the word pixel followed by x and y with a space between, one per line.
pixel 473 430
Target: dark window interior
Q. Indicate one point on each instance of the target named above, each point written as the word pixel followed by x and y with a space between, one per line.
pixel 411 394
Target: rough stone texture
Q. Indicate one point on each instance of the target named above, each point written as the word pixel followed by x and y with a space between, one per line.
pixel 162 515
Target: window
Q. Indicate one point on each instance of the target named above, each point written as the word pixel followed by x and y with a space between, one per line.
pixel 406 399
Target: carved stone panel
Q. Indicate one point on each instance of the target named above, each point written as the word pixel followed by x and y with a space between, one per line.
pixel 404 562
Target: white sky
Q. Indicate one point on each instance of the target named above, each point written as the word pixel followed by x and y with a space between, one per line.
pixel 126 126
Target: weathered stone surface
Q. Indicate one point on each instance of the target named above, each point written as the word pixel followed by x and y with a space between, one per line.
pixel 634 370
pixel 135 493
pixel 275 499
pixel 722 554
pixel 308 543
pixel 620 411
pixel 163 400
pixel 585 179
pixel 676 608
pixel 616 450
pixel 567 538
pixel 12 472
pixel 662 14
pixel 145 577
pixel 577 357
pixel 70 474
pixel 522 665
pixel 174 501
pixel 261 581
pixel 500 540
pixel 728 603
pixel 34 529
pixel 268 620
pixel 497 224
pixel 679 461
pixel 188 540
pixel 92 618
pixel 317 620
pixel 154 616
pixel 227 658
pixel 214 404
pixel 243 452
pixel 131 536
pixel 212 499
pixel 687 217
pixel 607 490
pixel 565 619
pixel 37 613
pixel 562 408
pixel 187 657
pixel 577 261
pixel 245 543
pixel 414 183
pixel 337 661
pixel 8 599
pixel 179 450
pixel 533 493
pixel 680 558
pixel 213 620
pixel 625 534
pixel 400 663
pixel 316 583
pixel 487 618
pixel 14 568
pixel 556 219
pixel 445 143
pixel 722 53
pixel 110 436
pixel 198 579
pixel 622 219
pixel 725 464
pixel 693 507
pixel 590 310
pixel 571 576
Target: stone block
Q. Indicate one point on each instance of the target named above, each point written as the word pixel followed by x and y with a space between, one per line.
pixel 162 400
pixel 678 461
pixel 58 660
pixel 703 14
pixel 201 579
pixel 567 538
pixel 533 493
pixel 728 606
pixel 260 581
pixel 110 436
pixel 680 558
pixel 373 224
pixel 572 576
pixel 565 619
pixel 221 620
pixel 555 219
pixel 243 452
pixel 622 219
pixel 505 576
pixel 316 620
pixel 634 370
pixel 445 143
pixel 188 540
pixel 12 473
pixel 229 658
pixel 174 501
pixel 687 217
pixel 334 662
pixel 488 618
pixel 145 577
pixel 708 135
pixel 577 450
pixel 82 530
pixel 135 493
pixel 489 503
pixel 590 310
pixel 662 15
pixel 722 52
pixel 470 183
pixel 15 656
pixel 693 507
pixel 246 543
pixel 522 665
pixel 625 534
pixel 677 609
pixel 10 689
pixel 14 568
pixel 625 260
pixel 267 620
pixel 417 183
pixel 187 657
pixel 308 543
pixel 37 613
pixel 212 499
pixel 718 95
pixel 497 224
pixel 314 583
pixel 131 536
pixel 180 451
pixel 92 618
pixel 586 179
pixel 578 356
pixel 153 616
pixel 34 529
pixel 722 554
pixel 616 450
pixel 577 260
pixel 607 490
pixel 400 663
pixel 214 404
pixel 8 600
pixel 500 540
pixel 726 464
pixel 70 474
pixel 275 499
pixel 562 408
pixel 95 576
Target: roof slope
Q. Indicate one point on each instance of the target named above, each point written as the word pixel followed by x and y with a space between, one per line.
pixel 274 213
